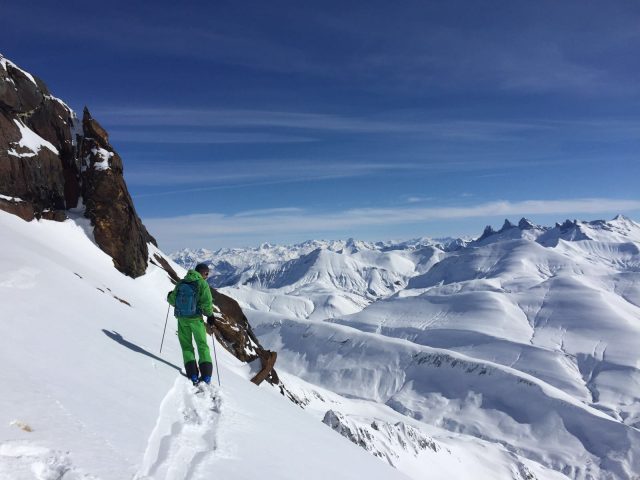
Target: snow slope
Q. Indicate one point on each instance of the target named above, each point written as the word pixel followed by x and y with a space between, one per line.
pixel 86 395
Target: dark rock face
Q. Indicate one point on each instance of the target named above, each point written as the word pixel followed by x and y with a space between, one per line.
pixel 49 162
pixel 507 225
pixel 525 224
pixel 16 207
pixel 488 231
pixel 30 172
pixel 235 331
pixel 117 228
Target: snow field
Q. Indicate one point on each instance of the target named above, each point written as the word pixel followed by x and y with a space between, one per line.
pixel 82 371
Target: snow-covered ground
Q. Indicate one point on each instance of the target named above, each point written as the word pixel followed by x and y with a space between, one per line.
pixel 511 357
pixel 85 393
pixel 526 338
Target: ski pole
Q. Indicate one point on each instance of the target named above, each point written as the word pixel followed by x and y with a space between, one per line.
pixel 165 328
pixel 213 339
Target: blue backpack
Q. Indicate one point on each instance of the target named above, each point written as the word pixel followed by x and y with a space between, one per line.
pixel 186 300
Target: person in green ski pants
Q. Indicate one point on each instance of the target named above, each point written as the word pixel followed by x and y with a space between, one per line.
pixel 192 325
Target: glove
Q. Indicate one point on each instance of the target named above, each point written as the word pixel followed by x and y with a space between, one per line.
pixel 210 328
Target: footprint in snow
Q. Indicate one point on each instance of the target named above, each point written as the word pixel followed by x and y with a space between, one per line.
pixel 185 434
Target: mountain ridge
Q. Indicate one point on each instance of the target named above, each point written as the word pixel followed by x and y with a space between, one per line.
pixel 524 337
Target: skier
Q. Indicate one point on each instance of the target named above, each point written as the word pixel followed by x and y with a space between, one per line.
pixel 191 298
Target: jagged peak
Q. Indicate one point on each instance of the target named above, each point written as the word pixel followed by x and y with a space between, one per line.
pixel 567 225
pixel 623 220
pixel 512 230
pixel 5 62
pixel 488 231
pixel 526 224
pixel 507 225
pixel 93 129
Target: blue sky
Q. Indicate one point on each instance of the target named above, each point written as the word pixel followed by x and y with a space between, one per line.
pixel 248 122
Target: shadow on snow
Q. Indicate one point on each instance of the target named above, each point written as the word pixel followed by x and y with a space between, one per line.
pixel 113 335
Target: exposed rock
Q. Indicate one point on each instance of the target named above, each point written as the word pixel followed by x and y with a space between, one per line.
pixel 525 224
pixel 49 161
pixel 507 225
pixel 28 94
pixel 31 169
pixel 92 129
pixel 117 228
pixel 33 176
pixel 162 262
pixel 23 210
pixel 567 225
pixel 488 231
pixel 235 332
pixel 8 92
pixel 57 124
pixel 382 439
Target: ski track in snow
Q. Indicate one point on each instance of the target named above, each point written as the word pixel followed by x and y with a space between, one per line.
pixel 185 435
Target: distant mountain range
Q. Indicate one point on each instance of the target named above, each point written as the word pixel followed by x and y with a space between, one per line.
pixel 526 336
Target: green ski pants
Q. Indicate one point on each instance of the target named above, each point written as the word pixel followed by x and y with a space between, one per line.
pixel 188 327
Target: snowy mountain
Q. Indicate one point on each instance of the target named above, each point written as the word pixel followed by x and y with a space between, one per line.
pixel 88 396
pixel 525 338
pixel 318 279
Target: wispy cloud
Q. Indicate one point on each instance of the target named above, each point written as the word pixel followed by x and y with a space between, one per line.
pixel 270 212
pixel 208 229
pixel 389 122
pixel 199 125
pixel 202 177
pixel 416 199
pixel 226 174
pixel 203 137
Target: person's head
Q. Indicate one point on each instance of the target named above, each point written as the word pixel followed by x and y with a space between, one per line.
pixel 202 269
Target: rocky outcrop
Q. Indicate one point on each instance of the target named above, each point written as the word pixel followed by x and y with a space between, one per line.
pixel 51 163
pixel 31 167
pixel 526 224
pixel 117 228
pixel 523 224
pixel 488 231
pixel 387 441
